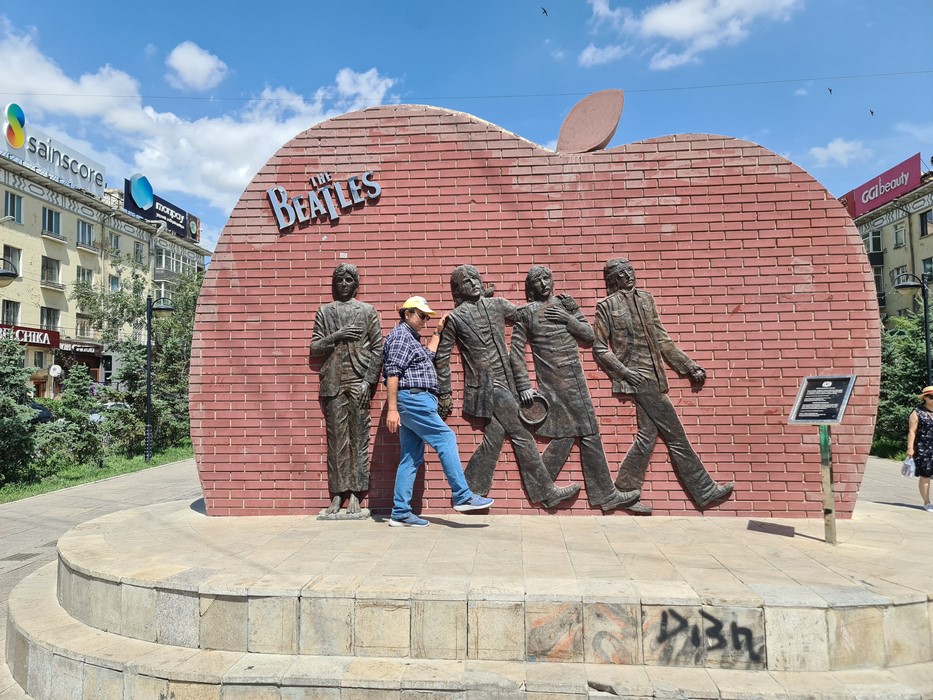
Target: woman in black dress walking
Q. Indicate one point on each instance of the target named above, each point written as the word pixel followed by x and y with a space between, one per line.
pixel 920 443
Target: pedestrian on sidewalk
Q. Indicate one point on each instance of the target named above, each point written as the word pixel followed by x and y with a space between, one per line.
pixel 920 443
pixel 411 387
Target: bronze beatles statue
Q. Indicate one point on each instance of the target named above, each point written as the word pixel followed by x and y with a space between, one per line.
pixel 632 346
pixel 477 327
pixel 347 334
pixel 554 326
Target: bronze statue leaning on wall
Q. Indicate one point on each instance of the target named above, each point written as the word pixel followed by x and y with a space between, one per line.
pixel 348 335
pixel 554 326
pixel 631 345
pixel 477 326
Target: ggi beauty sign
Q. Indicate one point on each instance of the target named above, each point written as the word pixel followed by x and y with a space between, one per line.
pixel 888 186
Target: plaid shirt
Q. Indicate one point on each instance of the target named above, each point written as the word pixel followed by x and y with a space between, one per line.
pixel 404 356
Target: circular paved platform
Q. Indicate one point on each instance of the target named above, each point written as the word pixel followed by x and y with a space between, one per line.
pixel 592 598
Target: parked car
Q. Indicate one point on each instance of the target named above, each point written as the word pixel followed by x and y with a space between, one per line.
pixel 108 407
pixel 44 415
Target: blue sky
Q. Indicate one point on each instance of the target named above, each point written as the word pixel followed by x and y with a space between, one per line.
pixel 197 96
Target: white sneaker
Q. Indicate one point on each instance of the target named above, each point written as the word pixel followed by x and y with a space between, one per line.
pixel 928 506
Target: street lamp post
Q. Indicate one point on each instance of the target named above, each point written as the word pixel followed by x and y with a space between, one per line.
pixel 8 272
pixel 908 285
pixel 160 308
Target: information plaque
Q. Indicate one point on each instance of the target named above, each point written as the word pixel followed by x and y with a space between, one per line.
pixel 822 400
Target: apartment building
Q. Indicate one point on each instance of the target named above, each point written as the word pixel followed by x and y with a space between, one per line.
pixel 894 215
pixel 56 235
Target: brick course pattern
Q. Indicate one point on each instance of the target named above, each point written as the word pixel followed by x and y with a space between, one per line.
pixel 759 274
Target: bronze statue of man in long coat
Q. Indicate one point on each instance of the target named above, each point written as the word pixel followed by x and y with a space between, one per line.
pixel 554 326
pixel 348 335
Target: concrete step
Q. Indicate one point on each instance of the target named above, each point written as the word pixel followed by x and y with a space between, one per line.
pixel 55 657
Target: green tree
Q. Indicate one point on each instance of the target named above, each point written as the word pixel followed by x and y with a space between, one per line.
pixel 16 435
pixel 903 375
pixel 73 438
pixel 111 312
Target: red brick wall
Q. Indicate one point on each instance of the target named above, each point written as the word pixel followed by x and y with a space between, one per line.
pixel 759 275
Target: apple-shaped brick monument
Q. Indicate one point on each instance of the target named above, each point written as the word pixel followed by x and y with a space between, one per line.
pixel 758 273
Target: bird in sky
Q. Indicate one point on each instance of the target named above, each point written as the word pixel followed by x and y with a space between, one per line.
pixel 830 90
pixel 871 112
pixel 544 12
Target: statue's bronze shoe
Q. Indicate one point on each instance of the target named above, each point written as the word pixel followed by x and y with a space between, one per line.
pixel 561 494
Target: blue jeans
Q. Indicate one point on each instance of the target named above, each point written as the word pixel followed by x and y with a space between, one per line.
pixel 420 424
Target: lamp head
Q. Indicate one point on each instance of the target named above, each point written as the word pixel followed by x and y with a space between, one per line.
pixel 163 307
pixel 8 272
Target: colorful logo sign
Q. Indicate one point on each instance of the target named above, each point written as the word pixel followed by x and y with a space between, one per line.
pixel 15 123
pixel 51 157
pixel 887 187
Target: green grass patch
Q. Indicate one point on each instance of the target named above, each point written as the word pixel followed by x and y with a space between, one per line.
pixel 114 465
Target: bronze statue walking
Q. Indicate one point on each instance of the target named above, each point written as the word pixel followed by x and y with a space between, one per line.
pixel 554 327
pixel 632 346
pixel 347 334
pixel 477 326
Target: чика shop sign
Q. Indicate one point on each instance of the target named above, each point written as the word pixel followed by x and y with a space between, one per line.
pixel 324 200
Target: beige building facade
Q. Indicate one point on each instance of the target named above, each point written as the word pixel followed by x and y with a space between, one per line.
pixel 898 238
pixel 56 236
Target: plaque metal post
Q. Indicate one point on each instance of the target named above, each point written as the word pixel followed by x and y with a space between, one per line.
pixel 822 401
pixel 829 496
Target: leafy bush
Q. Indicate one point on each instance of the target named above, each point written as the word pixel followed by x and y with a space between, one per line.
pixel 16 436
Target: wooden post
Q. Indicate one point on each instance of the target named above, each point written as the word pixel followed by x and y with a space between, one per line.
pixel 826 470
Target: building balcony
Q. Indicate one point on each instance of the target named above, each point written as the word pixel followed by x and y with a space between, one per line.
pixel 92 246
pixel 52 284
pixel 160 274
pixel 52 235
pixel 876 259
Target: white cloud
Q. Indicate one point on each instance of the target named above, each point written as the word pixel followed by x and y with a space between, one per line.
pixel 193 68
pixel 800 92
pixel 212 158
pixel 688 28
pixel 840 152
pixel 596 56
pixel 921 133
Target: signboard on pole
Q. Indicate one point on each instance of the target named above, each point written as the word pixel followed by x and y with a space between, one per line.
pixel 822 400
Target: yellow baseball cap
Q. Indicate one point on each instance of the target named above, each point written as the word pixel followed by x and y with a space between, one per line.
pixel 419 303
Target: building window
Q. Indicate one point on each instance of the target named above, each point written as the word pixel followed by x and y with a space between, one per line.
pixel 114 283
pixel 926 222
pixel 14 255
pixel 51 222
pixel 899 234
pixel 13 206
pixel 898 274
pixel 85 275
pixel 48 318
pixel 83 326
pixel 38 359
pixel 138 253
pixel 114 242
pixel 85 234
pixel 10 312
pixel 872 241
pixel 928 266
pixel 50 270
pixel 175 262
pixel 163 290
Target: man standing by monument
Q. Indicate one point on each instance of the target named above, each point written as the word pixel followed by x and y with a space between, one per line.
pixel 631 345
pixel 411 388
pixel 347 334
pixel 477 326
pixel 554 326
